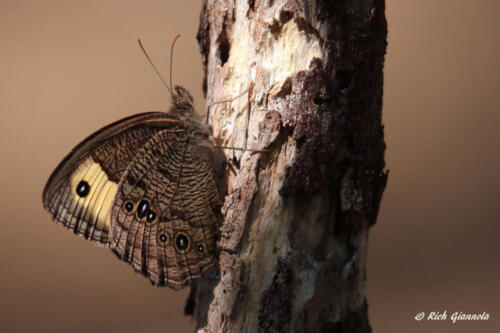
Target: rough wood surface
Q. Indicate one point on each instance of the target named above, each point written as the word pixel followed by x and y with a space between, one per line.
pixel 306 82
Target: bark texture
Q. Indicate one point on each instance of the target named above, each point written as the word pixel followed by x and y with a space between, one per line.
pixel 306 82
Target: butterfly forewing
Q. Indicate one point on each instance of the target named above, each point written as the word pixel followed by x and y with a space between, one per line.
pixel 163 217
pixel 81 191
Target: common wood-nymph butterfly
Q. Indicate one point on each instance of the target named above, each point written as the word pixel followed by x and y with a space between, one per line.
pixel 145 186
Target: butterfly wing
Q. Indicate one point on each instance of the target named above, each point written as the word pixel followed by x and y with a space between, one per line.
pixel 80 192
pixel 164 220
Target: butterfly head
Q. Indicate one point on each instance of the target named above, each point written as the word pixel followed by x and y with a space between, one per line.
pixel 182 104
pixel 182 97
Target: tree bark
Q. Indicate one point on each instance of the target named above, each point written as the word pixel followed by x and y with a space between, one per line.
pixel 304 80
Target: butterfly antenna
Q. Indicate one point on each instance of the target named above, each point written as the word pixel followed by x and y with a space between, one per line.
pixel 154 67
pixel 172 56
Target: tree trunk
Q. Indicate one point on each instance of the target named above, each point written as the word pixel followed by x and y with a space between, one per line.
pixel 304 80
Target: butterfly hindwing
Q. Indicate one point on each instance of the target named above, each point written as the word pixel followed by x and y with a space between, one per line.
pixel 81 191
pixel 163 218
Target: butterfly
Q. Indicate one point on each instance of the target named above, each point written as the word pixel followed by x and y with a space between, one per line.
pixel 146 187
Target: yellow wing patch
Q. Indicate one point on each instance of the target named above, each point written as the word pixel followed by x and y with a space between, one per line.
pixel 95 206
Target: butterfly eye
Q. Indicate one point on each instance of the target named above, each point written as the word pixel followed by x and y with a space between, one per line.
pixel 82 189
pixel 200 248
pixel 128 206
pixel 163 238
pixel 182 242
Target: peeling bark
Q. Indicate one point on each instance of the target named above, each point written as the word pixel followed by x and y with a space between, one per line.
pixel 307 77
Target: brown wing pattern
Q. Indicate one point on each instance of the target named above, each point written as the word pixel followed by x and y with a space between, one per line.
pixel 80 192
pixel 163 218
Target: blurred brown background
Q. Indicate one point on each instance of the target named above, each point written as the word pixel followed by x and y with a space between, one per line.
pixel 69 67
